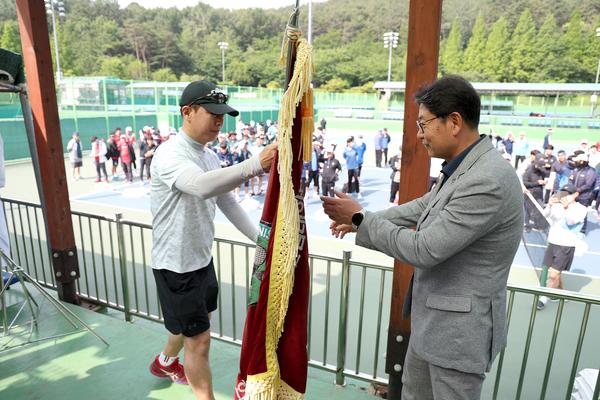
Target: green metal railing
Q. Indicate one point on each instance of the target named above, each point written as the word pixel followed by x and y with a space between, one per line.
pixel 348 304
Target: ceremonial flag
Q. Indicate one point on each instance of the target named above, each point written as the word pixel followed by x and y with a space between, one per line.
pixel 274 359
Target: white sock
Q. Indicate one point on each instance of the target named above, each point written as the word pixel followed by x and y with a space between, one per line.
pixel 165 360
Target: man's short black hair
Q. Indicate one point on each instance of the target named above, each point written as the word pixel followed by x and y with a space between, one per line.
pixel 450 94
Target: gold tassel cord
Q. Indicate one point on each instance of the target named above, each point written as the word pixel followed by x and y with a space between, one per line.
pixel 268 385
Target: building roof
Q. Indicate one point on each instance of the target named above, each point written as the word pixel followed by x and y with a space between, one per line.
pixel 510 87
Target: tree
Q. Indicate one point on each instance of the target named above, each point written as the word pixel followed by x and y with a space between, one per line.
pixel 522 63
pixel 549 53
pixel 10 39
pixel 474 51
pixel 574 43
pixel 495 55
pixel 451 57
pixel 112 66
pixel 164 75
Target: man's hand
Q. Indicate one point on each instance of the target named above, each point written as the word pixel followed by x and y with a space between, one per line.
pixel 266 156
pixel 340 210
pixel 339 231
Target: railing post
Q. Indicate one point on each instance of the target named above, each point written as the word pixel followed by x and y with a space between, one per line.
pixel 123 266
pixel 343 321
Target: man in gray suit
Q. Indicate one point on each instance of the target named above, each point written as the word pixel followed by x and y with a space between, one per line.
pixel 467 230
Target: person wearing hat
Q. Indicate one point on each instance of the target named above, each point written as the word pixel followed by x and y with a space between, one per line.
pixel 566 220
pixel 188 184
pixel 584 180
pixel 534 180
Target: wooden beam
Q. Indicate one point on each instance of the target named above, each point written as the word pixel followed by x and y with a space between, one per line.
pixel 421 67
pixel 41 91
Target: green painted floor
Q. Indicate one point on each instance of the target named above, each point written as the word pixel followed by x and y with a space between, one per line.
pixel 79 366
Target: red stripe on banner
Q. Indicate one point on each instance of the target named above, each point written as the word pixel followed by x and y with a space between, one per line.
pixel 291 352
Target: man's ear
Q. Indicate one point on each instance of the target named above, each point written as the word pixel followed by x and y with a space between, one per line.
pixel 457 122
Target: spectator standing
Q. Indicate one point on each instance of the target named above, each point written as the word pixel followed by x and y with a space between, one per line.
pixel 385 142
pixel 534 182
pixel 521 149
pixel 242 154
pixel 549 160
pixel 584 180
pixel 313 171
pixel 98 155
pixel 351 157
pixel 395 176
pixel 113 154
pixel 377 143
pixel 125 155
pixel 323 123
pixel 561 170
pixel 360 148
pixel 548 138
pixel 508 142
pixel 148 155
pixel 75 150
pixel 225 156
pixel 330 173
pixel 256 148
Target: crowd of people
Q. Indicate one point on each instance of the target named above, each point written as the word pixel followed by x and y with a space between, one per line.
pixel 545 173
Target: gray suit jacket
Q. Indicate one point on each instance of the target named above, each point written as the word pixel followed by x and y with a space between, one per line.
pixel 467 233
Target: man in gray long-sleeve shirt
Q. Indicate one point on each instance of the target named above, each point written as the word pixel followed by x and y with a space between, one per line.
pixel 187 186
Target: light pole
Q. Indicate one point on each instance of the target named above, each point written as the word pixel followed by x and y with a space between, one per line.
pixel 390 41
pixel 594 97
pixel 223 46
pixel 53 7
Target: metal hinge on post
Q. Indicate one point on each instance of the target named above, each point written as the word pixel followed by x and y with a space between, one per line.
pixel 65 264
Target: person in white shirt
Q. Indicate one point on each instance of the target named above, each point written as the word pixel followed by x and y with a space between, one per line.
pixel 75 150
pixel 187 185
pixel 98 155
pixel 566 220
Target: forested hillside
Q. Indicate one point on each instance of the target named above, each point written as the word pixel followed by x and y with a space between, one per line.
pixel 485 40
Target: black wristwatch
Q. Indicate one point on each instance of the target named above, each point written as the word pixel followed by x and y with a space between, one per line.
pixel 357 219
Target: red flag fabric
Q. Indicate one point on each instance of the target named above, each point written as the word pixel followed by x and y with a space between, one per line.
pixel 274 359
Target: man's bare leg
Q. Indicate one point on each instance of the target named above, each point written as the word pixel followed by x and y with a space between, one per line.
pixel 197 369
pixel 174 345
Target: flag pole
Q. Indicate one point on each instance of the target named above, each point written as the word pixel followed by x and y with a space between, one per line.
pixel 291 51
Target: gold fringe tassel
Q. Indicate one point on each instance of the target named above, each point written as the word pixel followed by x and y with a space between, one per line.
pixel 308 124
pixel 268 385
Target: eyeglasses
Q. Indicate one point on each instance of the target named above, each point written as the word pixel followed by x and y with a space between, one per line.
pixel 421 124
pixel 214 97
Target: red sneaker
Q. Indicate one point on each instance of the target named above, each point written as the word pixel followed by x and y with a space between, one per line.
pixel 174 371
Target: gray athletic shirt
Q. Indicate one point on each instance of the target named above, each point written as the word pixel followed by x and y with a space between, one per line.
pixel 187 185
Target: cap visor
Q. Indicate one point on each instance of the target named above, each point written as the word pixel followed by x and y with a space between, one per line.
pixel 221 109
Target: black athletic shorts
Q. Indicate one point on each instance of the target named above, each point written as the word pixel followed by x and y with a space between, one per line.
pixel 186 299
pixel 559 257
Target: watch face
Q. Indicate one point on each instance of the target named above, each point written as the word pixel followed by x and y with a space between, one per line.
pixel 357 218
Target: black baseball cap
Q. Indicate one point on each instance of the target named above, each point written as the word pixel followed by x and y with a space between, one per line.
pixel 207 95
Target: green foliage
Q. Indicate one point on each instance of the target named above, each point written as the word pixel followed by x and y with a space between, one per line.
pixel 335 85
pixel 484 40
pixel 522 64
pixel 451 53
pixel 495 55
pixel 474 51
pixel 10 39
